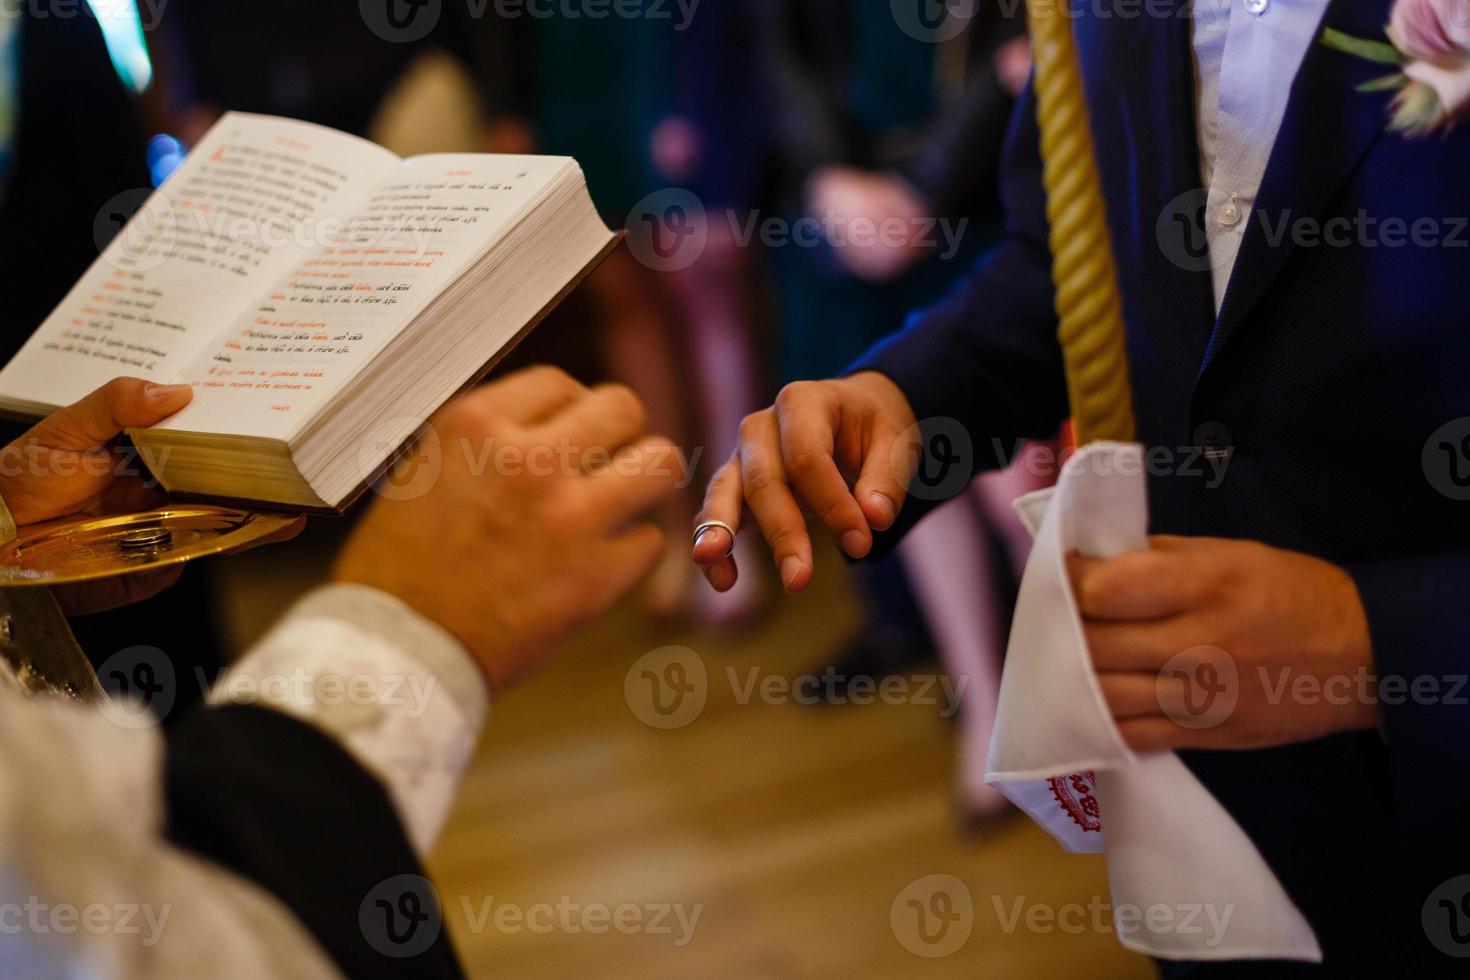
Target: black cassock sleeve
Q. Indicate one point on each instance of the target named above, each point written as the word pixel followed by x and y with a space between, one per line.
pixel 277 801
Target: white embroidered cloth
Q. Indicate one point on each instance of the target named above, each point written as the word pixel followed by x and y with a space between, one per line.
pixel 1057 754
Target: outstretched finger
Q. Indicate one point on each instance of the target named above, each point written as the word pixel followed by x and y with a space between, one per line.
pixel 889 462
pixel 723 501
pixel 807 440
pixel 771 502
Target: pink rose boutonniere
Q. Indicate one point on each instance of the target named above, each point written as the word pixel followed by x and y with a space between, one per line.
pixel 1430 42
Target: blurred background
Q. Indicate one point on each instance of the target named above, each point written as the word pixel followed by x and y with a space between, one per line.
pixel 803 774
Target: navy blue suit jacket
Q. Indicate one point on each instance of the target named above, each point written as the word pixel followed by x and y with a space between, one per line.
pixel 1329 370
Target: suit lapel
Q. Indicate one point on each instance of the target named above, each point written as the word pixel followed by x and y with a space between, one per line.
pixel 1327 129
pixel 1139 75
pixel 1179 292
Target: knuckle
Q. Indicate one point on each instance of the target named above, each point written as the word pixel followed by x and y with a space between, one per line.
pixel 462 409
pixel 624 406
pixel 718 484
pixel 783 538
pixel 651 542
pixel 832 512
pixel 543 381
pixel 753 425
pixel 793 394
pixel 119 388
pixel 549 376
pixel 666 446
pixel 758 481
pixel 1197 581
pixel 573 514
pixel 800 461
pixel 1093 591
pixel 659 457
pixel 467 414
pixel 1195 590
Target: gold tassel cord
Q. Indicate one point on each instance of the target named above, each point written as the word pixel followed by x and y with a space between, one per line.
pixel 1089 307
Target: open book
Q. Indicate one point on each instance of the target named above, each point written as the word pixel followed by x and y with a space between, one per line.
pixel 322 296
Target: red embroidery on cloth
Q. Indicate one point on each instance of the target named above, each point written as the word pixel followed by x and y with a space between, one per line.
pixel 1077 795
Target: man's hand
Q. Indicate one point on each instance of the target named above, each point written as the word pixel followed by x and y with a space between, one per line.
pixel 1202 643
pixel 843 450
pixel 65 463
pixel 534 523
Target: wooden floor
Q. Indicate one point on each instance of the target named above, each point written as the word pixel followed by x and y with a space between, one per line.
pixel 798 833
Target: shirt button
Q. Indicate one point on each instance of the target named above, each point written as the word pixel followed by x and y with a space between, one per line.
pixel 1257 7
pixel 1229 214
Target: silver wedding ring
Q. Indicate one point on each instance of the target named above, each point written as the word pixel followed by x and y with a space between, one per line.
pixel 710 526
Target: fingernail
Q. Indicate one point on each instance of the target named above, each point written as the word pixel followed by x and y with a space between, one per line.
pixel 163 391
pixel 884 505
pixel 790 568
pixel 706 533
pixel 854 543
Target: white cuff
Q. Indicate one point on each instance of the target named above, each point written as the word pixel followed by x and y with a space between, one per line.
pixel 397 691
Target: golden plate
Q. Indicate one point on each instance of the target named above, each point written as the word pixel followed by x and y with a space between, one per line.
pixel 82 549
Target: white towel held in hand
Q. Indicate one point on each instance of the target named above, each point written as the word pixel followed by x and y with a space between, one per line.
pixel 1186 881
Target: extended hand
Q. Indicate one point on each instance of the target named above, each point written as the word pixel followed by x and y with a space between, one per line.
pixel 843 449
pixel 534 523
pixel 1212 643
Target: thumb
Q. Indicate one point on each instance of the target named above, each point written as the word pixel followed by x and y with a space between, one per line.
pixel 101 416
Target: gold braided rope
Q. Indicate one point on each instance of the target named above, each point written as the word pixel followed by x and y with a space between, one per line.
pixel 1089 308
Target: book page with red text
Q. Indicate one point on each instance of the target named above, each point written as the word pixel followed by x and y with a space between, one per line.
pixel 341 302
pixel 255 195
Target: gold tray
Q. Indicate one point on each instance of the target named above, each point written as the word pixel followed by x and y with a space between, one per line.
pixel 82 549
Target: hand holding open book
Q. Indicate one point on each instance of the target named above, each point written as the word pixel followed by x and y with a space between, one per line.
pixel 321 296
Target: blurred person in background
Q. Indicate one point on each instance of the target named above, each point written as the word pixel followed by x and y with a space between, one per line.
pixel 547 82
pixel 325 63
pixel 716 143
pixel 75 142
pixel 279 831
pixel 595 90
pixel 873 124
pixel 76 170
pixel 876 127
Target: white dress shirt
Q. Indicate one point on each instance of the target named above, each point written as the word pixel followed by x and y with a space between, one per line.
pixel 1246 55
